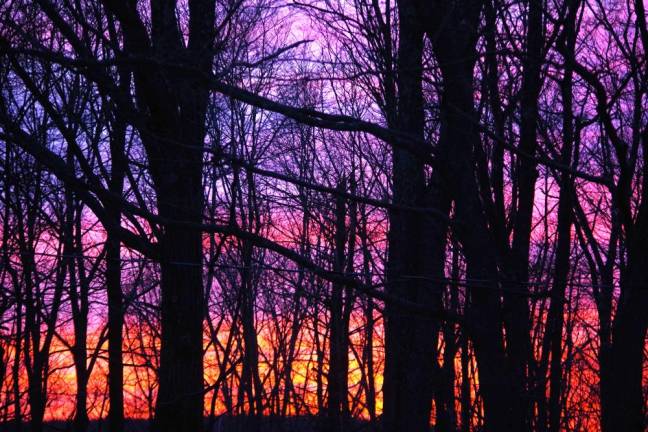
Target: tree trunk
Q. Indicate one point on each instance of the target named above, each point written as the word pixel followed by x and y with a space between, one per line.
pixel 555 318
pixel 36 401
pixel 79 305
pixel 516 301
pixel 416 250
pixel 179 406
pixel 466 405
pixel 113 270
pixel 445 393
pixel 624 407
pixel 338 346
pixel 250 375
pixel 368 348
pixel 454 38
pixel 174 99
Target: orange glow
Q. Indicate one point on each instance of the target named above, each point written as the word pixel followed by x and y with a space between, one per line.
pixel 141 344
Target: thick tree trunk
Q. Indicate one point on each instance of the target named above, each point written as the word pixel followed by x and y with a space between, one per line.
pixel 622 399
pixel 178 181
pixel 175 102
pixel 36 401
pixel 416 249
pixel 81 414
pixel 179 406
pixel 454 38
pixel 623 405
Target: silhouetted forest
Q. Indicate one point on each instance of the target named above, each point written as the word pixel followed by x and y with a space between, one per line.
pixel 323 215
